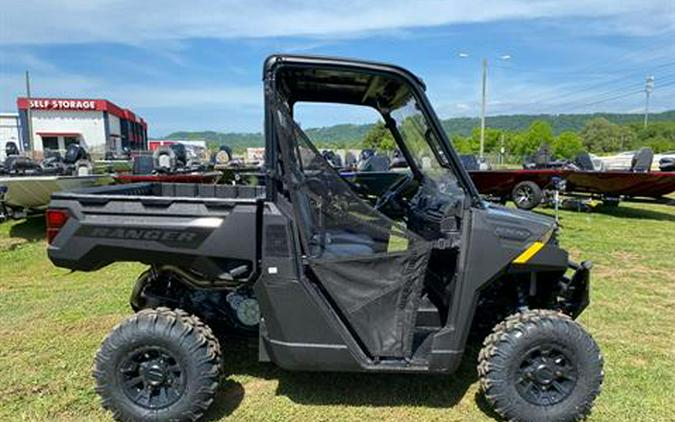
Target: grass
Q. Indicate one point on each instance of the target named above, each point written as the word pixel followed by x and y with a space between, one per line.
pixel 52 321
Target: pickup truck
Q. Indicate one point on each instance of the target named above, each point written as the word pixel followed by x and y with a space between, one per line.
pixel 329 277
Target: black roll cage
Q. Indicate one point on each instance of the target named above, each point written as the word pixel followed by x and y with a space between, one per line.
pixel 276 62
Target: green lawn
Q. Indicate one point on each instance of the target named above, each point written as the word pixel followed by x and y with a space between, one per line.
pixel 52 321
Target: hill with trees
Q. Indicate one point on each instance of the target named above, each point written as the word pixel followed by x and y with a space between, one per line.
pixel 518 134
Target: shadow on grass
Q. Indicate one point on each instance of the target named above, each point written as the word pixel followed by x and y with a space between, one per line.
pixel 348 389
pixel 623 211
pixel 31 229
pixel 229 396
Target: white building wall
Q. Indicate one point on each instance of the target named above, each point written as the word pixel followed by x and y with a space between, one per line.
pixel 89 124
pixel 9 131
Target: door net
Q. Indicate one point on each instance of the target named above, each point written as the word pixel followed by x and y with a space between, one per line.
pixel 372 267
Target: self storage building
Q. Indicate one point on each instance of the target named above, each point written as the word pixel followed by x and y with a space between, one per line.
pixel 99 125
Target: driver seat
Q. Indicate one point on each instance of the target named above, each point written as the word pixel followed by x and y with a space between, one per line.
pixel 339 243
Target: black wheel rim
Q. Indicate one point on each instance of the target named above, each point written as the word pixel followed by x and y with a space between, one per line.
pixel 524 195
pixel 152 378
pixel 546 375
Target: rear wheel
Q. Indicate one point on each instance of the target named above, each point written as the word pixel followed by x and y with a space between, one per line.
pixel 160 364
pixel 540 365
pixel 527 195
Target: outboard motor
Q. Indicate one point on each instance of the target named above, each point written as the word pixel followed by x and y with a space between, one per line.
pixel 642 161
pixel 74 153
pixel 76 161
pixel 180 153
pixel 11 149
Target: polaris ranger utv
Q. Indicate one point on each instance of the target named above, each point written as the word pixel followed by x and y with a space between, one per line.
pixel 330 279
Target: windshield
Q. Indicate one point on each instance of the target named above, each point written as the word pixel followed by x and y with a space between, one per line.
pixel 421 141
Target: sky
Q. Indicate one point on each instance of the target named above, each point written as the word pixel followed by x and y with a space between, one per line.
pixel 197 65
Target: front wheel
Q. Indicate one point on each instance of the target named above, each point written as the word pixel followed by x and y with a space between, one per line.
pixel 160 364
pixel 540 365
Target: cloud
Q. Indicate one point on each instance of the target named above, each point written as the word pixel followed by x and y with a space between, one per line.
pixel 136 22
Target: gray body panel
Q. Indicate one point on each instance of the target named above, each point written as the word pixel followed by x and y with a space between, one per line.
pixel 158 224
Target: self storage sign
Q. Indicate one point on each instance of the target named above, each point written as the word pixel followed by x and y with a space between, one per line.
pixel 59 104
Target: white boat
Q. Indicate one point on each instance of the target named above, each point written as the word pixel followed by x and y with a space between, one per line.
pixel 32 193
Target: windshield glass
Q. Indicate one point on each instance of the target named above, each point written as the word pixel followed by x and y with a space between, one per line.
pixel 421 141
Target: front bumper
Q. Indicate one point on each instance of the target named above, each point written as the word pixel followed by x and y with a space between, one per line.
pixel 574 291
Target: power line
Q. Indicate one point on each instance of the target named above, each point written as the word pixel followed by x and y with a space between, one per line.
pixel 660 86
pixel 616 97
pixel 602 95
pixel 600 84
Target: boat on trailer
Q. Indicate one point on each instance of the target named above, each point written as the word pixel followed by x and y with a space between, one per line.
pixel 609 186
pixel 197 177
pixel 26 185
pixel 22 195
pixel 169 164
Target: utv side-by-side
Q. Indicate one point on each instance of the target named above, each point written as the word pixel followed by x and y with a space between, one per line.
pixel 329 277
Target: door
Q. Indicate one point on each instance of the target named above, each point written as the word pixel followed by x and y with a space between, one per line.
pixel 371 267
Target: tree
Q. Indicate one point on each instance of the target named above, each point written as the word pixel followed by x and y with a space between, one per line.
pixel 600 135
pixel 660 136
pixel 526 143
pixel 462 144
pixel 567 145
pixel 492 139
pixel 379 138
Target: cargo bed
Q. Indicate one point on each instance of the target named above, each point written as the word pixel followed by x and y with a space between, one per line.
pixel 210 229
pixel 166 190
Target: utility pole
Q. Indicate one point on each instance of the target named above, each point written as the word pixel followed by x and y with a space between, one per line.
pixel 29 115
pixel 482 110
pixel 483 104
pixel 649 87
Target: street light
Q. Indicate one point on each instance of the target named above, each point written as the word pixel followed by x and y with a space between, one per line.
pixel 483 99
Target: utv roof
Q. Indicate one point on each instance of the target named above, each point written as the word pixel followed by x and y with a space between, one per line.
pixel 330 79
pixel 328 61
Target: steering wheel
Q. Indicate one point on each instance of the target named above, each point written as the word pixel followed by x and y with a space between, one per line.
pixel 393 192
